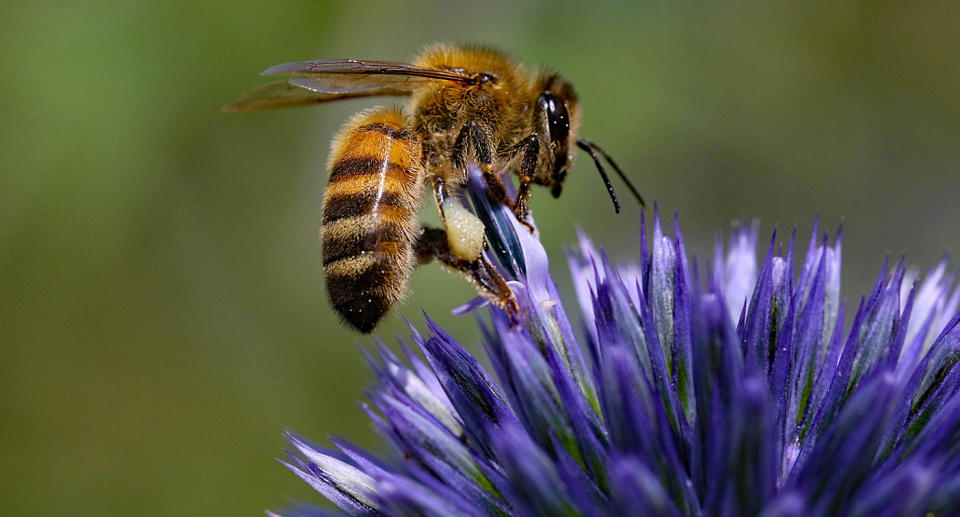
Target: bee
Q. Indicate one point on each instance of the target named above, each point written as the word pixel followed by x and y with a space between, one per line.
pixel 467 105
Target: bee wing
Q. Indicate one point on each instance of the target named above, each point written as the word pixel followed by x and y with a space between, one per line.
pixel 333 79
pixel 381 71
pixel 300 92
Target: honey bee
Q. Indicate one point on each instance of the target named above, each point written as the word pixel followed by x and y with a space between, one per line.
pixel 468 105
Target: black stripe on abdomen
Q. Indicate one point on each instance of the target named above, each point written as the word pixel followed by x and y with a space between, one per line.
pixel 353 167
pixel 392 132
pixel 387 238
pixel 359 203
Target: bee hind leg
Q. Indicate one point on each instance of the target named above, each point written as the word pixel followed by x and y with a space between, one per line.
pixel 433 244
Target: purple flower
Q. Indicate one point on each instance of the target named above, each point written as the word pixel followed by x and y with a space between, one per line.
pixel 734 391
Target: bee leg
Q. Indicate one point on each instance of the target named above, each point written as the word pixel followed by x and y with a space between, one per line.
pixel 464 230
pixel 471 134
pixel 495 188
pixel 530 148
pixel 433 244
pixel 440 194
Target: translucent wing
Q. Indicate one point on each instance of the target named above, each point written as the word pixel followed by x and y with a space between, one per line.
pixel 333 79
pixel 376 68
pixel 289 94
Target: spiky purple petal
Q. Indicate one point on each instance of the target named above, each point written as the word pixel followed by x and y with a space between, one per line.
pixel 741 392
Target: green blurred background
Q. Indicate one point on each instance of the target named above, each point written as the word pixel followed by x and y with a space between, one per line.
pixel 162 312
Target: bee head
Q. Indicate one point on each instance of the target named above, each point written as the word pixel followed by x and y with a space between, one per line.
pixel 558 119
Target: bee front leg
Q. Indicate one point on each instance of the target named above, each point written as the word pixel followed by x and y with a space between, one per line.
pixel 528 150
pixel 433 243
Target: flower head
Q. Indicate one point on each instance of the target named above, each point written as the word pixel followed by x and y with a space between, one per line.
pixel 735 391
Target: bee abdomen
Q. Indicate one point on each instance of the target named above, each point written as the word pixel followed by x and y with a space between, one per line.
pixel 370 216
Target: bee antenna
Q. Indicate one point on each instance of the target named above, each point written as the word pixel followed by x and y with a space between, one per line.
pixel 633 190
pixel 603 174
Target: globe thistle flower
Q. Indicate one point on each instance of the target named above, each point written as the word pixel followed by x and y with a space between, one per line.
pixel 667 390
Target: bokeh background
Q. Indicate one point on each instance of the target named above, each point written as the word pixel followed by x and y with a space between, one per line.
pixel 162 312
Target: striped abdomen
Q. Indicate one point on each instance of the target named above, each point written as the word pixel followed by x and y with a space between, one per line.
pixel 370 216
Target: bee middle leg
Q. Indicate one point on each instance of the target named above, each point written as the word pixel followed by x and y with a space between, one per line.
pixel 433 244
pixel 471 136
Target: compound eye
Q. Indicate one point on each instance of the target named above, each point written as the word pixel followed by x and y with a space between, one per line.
pixel 557 118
